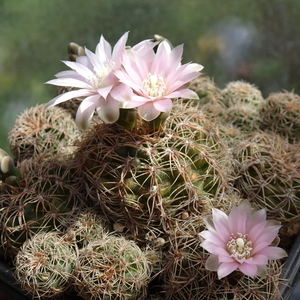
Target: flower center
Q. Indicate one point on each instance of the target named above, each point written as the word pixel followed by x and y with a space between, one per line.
pixel 101 72
pixel 155 85
pixel 239 247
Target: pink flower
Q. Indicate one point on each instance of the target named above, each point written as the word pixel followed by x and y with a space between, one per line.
pixel 93 77
pixel 242 241
pixel 151 80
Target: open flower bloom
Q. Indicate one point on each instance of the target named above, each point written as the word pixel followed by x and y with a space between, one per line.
pixel 152 79
pixel 242 241
pixel 93 77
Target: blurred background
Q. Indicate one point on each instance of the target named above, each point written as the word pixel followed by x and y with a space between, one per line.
pixel 256 41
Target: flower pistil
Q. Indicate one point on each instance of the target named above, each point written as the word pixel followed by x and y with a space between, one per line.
pixel 239 247
pixel 154 85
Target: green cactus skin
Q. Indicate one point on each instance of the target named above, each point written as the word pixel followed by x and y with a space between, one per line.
pixel 112 268
pixel 40 130
pixel 280 114
pixel 45 199
pixel 243 101
pixel 268 174
pixel 44 265
pixel 144 181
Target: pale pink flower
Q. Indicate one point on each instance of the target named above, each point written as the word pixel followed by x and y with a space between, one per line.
pixel 242 240
pixel 152 79
pixel 93 77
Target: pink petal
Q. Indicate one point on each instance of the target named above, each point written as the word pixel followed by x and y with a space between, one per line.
pixel 265 239
pixel 273 252
pixel 225 258
pixel 68 95
pixel 227 268
pixel 220 220
pixel 70 82
pixel 103 49
pixel 259 216
pixel 119 49
pixel 163 105
pixel 148 112
pixel 213 248
pixel 85 112
pixel 122 93
pixel 184 93
pixel 105 91
pixel 108 110
pixel 256 230
pixel 249 270
pixel 258 259
pixel 79 68
pixel 213 237
pixel 239 216
pixel 69 74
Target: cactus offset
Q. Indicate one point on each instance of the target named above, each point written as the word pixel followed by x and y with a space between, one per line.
pixel 44 200
pixel 268 174
pixel 45 264
pixel 112 268
pixel 40 130
pixel 280 114
pixel 243 101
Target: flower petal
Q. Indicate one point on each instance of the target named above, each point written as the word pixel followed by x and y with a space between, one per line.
pixel 164 105
pixel 109 110
pixel 148 112
pixel 67 96
pixel 248 269
pixel 226 268
pixel 69 82
pixel 85 112
pixel 273 252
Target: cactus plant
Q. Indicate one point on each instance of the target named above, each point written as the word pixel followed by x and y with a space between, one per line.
pixel 268 174
pixel 43 200
pixel 43 131
pixel 280 113
pixel 86 228
pixel 112 268
pixel 243 101
pixel 144 179
pixel 44 265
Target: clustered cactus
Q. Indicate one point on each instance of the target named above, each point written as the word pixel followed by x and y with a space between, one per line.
pixel 114 212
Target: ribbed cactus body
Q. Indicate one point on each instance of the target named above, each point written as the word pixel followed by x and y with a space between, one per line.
pixel 43 200
pixel 242 101
pixel 280 114
pixel 45 264
pixel 112 268
pixel 146 180
pixel 40 130
pixel 268 174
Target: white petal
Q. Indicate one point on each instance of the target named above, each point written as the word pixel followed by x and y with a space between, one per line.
pixel 109 110
pixel 85 112
pixel 164 105
pixel 148 112
pixel 79 68
pixel 67 96
pixel 69 82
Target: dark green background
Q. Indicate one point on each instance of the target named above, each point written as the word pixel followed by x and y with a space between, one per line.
pixel 255 40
